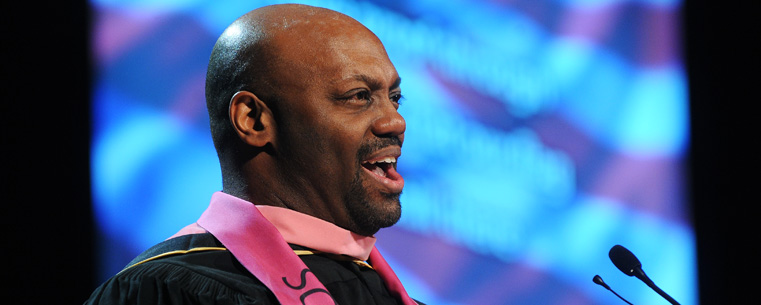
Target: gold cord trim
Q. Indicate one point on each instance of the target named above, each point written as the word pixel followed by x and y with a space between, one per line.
pixel 199 249
pixel 356 261
pixel 305 252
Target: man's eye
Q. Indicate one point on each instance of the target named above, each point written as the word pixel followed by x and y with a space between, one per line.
pixel 357 98
pixel 396 98
pixel 363 95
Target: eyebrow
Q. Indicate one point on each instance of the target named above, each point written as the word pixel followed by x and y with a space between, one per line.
pixel 396 83
pixel 375 83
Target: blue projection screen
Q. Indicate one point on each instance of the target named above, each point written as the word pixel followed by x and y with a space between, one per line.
pixel 539 135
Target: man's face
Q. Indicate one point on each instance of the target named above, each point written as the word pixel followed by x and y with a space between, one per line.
pixel 339 132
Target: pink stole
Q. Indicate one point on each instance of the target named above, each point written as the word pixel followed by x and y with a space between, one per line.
pixel 261 249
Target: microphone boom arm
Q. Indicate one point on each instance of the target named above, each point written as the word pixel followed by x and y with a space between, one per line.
pixel 630 265
pixel 640 274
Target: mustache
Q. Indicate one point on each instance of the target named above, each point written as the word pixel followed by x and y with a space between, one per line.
pixel 376 144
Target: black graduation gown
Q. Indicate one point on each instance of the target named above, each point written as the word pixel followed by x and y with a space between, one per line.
pixel 213 276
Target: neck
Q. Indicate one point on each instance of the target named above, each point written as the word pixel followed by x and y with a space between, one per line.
pixel 264 183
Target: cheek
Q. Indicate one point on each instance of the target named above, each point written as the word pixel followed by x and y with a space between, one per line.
pixel 331 150
pixel 329 138
pixel 347 131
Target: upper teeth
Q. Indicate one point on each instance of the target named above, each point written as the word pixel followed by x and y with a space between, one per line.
pixel 384 160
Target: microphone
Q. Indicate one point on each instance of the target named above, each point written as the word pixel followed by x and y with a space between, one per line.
pixel 630 265
pixel 598 280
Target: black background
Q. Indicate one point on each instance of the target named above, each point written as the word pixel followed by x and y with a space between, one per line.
pixel 46 207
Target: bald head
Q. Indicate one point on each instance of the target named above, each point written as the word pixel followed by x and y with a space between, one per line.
pixel 254 51
pixel 303 107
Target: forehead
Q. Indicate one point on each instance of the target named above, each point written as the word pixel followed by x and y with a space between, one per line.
pixel 331 50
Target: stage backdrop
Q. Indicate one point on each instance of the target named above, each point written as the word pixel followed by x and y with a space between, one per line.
pixel 539 134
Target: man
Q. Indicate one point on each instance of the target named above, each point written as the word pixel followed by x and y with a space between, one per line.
pixel 303 109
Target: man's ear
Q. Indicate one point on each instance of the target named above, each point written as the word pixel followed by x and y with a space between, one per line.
pixel 251 119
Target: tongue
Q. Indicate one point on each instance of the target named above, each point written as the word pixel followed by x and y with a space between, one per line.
pixel 392 174
pixel 378 170
pixel 388 175
pixel 384 170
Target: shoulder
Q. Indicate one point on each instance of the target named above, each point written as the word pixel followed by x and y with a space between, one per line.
pixel 196 274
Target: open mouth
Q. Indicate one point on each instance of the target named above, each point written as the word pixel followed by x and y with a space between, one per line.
pixel 383 169
pixel 380 167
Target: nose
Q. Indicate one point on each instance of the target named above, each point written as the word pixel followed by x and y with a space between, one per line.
pixel 390 123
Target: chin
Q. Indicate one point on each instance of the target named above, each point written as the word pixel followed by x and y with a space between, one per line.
pixel 370 208
pixel 370 215
pixel 389 210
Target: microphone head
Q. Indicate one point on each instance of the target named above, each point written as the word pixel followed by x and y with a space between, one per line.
pixel 598 280
pixel 624 260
